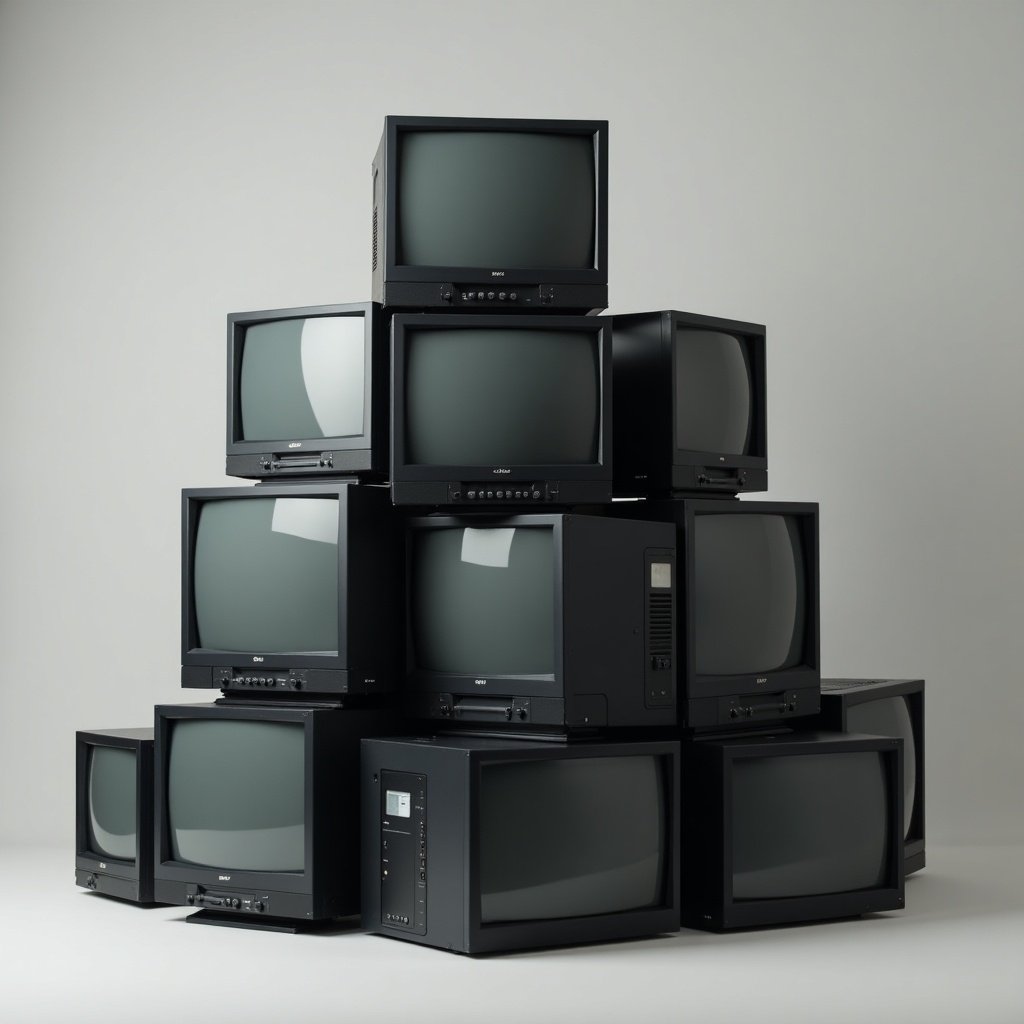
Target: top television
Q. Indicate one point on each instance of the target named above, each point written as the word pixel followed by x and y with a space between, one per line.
pixel 489 214
pixel 307 392
pixel 690 398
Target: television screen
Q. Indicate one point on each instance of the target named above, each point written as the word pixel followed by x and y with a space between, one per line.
pixel 890 716
pixel 112 802
pixel 235 794
pixel 809 824
pixel 489 396
pixel 265 574
pixel 482 601
pixel 570 838
pixel 496 199
pixel 302 378
pixel 714 393
pixel 750 593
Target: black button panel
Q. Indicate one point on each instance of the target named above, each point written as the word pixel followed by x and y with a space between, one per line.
pixel 494 293
pixel 505 493
pixel 256 679
pixel 404 852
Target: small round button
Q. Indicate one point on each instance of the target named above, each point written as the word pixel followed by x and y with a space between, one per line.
pixel 501 494
pixel 535 495
pixel 513 296
pixel 490 295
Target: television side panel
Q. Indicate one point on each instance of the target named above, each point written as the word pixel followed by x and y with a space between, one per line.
pixel 619 646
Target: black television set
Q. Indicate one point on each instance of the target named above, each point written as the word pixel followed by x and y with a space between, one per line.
pixel 748 609
pixel 491 410
pixel 480 845
pixel 291 586
pixel 484 213
pixel 887 707
pixel 307 392
pixel 114 812
pixel 257 810
pixel 541 622
pixel 690 405
pixel 787 828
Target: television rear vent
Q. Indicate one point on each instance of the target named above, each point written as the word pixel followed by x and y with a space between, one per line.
pixel 659 624
pixel 374 257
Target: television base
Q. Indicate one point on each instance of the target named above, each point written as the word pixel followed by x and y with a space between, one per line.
pixel 265 924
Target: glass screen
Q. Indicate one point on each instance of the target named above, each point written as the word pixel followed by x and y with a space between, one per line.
pixel 482 601
pixel 809 824
pixel 713 393
pixel 570 838
pixel 484 396
pixel 236 794
pixel 496 199
pixel 265 575
pixel 112 797
pixel 750 593
pixel 890 716
pixel 302 378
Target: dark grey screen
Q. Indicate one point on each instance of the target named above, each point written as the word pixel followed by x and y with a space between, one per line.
pixel 750 593
pixel 809 824
pixel 482 601
pixel 713 393
pixel 302 378
pixel 112 799
pixel 570 838
pixel 890 716
pixel 265 575
pixel 236 794
pixel 502 397
pixel 496 200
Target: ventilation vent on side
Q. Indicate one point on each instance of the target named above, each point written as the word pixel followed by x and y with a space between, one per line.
pixel 659 625
pixel 374 257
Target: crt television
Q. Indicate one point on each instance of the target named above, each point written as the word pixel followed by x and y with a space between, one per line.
pixel 541 621
pixel 887 707
pixel 787 828
pixel 491 213
pixel 291 586
pixel 257 810
pixel 690 398
pixel 748 608
pixel 307 392
pixel 114 812
pixel 496 411
pixel 482 845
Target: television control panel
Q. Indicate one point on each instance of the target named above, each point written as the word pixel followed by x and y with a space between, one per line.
pixel 403 852
pixel 224 900
pixel 503 493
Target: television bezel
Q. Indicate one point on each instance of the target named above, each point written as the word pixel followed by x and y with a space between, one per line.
pixel 395 125
pixel 331 671
pixel 114 876
pixel 804 680
pixel 364 454
pixel 675 470
pixel 456 765
pixel 851 692
pixel 417 483
pixel 707 870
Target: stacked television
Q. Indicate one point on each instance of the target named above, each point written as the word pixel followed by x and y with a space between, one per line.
pixel 504 660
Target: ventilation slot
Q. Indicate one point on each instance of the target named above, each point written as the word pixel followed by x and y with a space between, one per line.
pixel 659 624
pixel 374 257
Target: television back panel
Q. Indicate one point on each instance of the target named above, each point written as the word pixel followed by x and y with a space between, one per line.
pixel 307 392
pixel 690 405
pixel 491 214
pixel 887 707
pixel 481 845
pixel 114 812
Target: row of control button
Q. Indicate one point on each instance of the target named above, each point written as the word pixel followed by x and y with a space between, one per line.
pixel 258 681
pixel 521 495
pixel 396 919
pixel 480 296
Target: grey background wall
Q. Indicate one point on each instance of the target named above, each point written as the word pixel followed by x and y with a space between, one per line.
pixel 848 174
